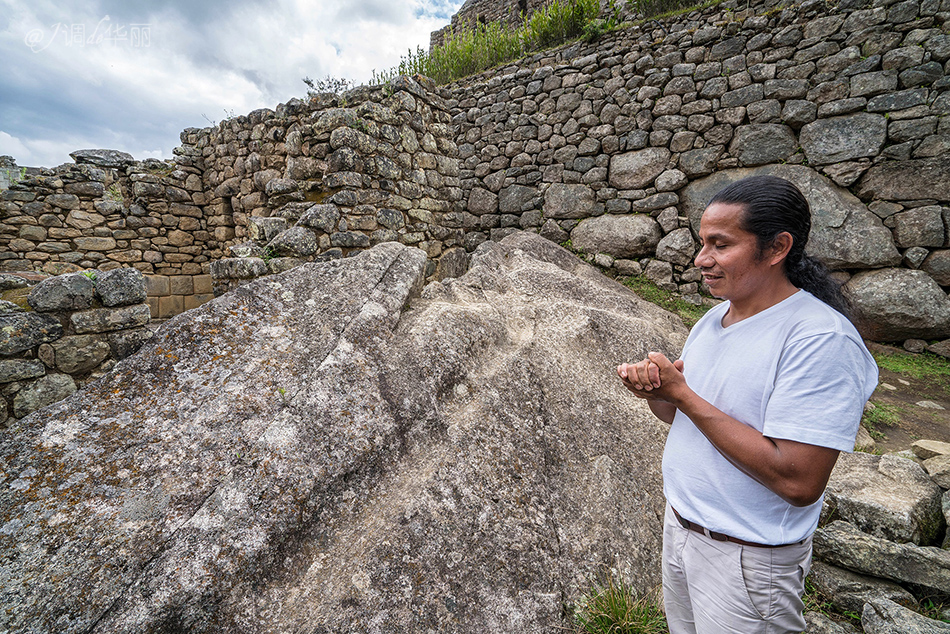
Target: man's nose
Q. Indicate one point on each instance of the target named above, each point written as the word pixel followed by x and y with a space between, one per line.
pixel 702 258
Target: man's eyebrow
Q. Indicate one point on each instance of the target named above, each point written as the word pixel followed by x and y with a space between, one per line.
pixel 713 236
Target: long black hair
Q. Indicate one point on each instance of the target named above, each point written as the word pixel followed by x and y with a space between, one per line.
pixel 773 205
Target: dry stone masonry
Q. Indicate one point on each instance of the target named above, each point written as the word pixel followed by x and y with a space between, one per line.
pixel 79 325
pixel 323 179
pixel 614 145
pixel 618 145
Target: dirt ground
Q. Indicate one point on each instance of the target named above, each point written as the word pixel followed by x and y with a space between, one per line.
pixel 912 400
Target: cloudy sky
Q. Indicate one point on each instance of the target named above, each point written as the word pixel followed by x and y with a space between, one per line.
pixel 131 74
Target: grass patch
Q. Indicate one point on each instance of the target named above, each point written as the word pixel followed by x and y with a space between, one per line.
pixel 612 607
pixel 474 48
pixel 672 302
pixel 477 47
pixel 924 365
pixel 816 602
pixel 882 415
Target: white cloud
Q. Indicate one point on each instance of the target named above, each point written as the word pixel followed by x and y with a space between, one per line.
pixel 208 58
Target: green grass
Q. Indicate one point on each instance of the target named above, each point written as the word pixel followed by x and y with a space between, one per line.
pixel 881 415
pixel 612 607
pixel 925 366
pixel 816 602
pixel 477 47
pixel 649 291
pixel 482 46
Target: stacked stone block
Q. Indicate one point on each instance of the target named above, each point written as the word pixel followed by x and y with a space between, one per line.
pixel 170 295
pixel 322 179
pixel 105 212
pixel 597 143
pixel 75 329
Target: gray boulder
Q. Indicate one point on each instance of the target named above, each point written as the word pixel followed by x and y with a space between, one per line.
pixel 294 242
pixel 899 304
pixel 238 268
pixel 22 331
pixel 677 247
pixel 20 369
pixel 121 287
pixel 42 392
pixel 481 201
pixel 842 544
pixel 350 466
pixel 636 170
pixel 326 218
pixel 515 199
pixel 907 180
pixel 937 265
pixel 109 319
pixel 844 138
pixel 844 233
pixel 79 353
pixel 72 291
pixel 921 227
pixel 568 201
pixel 849 591
pixel 762 143
pixel 882 616
pixel 886 496
pixel 265 229
pixel 628 236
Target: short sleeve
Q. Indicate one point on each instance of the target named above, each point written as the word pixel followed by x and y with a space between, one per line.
pixel 821 385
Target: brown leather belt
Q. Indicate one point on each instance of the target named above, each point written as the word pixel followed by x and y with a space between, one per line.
pixel 721 537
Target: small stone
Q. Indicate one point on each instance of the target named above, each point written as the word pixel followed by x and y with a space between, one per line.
pixel 925 449
pixel 42 392
pixel 20 369
pixel 915 345
pixel 121 287
pixel 929 405
pixel 73 291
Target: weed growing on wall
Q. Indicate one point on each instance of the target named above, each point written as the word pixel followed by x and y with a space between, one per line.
pixel 328 84
pixel 473 49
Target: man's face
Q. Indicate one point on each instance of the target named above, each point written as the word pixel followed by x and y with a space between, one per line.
pixel 732 264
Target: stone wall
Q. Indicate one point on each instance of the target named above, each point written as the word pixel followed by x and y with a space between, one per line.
pixel 617 145
pixel 109 211
pixel 323 179
pixel 614 145
pixel 78 327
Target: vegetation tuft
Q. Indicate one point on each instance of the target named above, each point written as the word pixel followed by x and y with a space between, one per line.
pixel 672 302
pixel 882 415
pixel 612 607
pixel 922 366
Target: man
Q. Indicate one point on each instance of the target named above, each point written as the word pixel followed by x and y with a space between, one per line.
pixel 770 387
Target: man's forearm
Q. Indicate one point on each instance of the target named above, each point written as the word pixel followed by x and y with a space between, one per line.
pixel 794 471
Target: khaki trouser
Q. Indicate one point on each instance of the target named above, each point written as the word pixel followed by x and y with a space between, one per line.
pixel 713 587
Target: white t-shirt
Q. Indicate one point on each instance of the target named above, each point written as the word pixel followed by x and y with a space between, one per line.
pixel 798 371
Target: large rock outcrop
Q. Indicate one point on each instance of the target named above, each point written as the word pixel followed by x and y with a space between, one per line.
pixel 306 454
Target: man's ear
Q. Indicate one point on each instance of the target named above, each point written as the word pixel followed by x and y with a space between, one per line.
pixel 781 245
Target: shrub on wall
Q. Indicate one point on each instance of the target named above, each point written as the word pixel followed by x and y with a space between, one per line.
pixel 473 49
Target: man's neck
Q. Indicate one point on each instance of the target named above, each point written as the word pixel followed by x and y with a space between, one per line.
pixel 743 308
